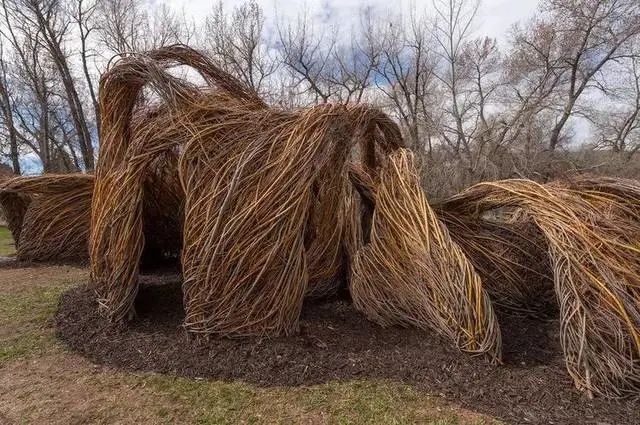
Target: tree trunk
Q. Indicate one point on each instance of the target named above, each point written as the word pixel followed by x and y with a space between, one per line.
pixel 75 105
pixel 14 153
pixel 13 135
pixel 555 133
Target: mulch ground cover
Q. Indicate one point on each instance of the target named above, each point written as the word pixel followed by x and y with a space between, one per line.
pixel 336 343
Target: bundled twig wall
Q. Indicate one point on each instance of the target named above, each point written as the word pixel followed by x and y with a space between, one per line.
pixel 14 207
pixel 129 156
pixel 53 222
pixel 274 219
pixel 509 253
pixel 249 273
pixel 596 268
pixel 412 273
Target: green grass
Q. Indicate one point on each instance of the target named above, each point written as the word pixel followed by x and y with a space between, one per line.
pixel 6 242
pixel 26 345
pixel 355 402
pixel 23 322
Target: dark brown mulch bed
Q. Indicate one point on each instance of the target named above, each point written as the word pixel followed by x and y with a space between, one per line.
pixel 337 343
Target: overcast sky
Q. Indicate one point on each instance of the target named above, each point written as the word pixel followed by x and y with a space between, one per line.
pixel 494 19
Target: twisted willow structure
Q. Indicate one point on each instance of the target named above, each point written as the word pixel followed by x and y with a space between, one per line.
pixel 592 229
pixel 267 207
pixel 49 215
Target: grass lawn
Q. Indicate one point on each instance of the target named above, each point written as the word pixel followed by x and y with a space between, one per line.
pixel 43 382
pixel 6 242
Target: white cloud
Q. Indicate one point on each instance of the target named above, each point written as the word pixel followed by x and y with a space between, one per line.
pixel 494 19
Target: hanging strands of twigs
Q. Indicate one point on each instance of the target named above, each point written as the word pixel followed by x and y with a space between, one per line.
pixel 52 215
pixel 412 273
pixel 596 270
pixel 14 207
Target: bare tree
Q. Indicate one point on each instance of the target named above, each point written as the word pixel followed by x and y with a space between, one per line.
pixel 469 74
pixel 39 102
pixel 165 26
pixel 582 37
pixel 618 127
pixel 238 41
pixel 307 57
pixel 125 26
pixel 121 25
pixel 6 109
pixel 354 63
pixel 83 12
pixel 452 29
pixel 324 67
pixel 406 78
pixel 48 17
pixel 32 85
pixel 532 75
pixel 479 81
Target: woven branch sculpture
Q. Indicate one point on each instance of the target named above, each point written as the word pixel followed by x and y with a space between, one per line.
pixel 412 273
pixel 592 232
pixel 268 207
pixel 510 255
pixel 267 218
pixel 49 215
pixel 13 206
